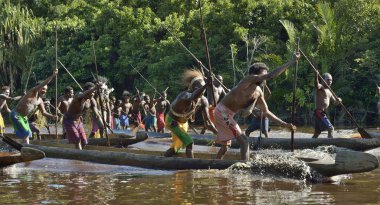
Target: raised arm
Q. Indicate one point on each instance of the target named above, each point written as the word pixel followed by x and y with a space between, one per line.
pixel 87 94
pixel 317 85
pixel 45 82
pixel 276 72
pixel 199 92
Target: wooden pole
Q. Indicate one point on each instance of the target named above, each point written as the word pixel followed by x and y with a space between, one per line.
pixel 80 87
pixel 207 54
pixel 100 98
pixel 192 55
pixel 56 83
pixel 294 97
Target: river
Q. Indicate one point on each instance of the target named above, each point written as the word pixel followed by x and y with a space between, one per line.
pixel 58 181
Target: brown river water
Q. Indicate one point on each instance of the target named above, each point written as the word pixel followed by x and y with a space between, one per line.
pixel 58 181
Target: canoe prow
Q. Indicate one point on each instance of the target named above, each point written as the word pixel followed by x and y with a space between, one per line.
pixel 26 154
pixel 346 162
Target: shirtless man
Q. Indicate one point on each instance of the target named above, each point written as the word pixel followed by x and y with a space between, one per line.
pixel 104 111
pixel 163 104
pixel 182 108
pixel 246 94
pixel 29 102
pixel 63 104
pixel 125 112
pixel 219 93
pixel 150 110
pixel 322 102
pixel 4 96
pixel 135 112
pixel 72 120
pixel 117 112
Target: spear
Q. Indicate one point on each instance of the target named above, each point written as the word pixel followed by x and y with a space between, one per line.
pixel 30 72
pixel 146 80
pixel 100 98
pixel 192 55
pixel 294 97
pixel 56 81
pixel 207 53
pixel 70 75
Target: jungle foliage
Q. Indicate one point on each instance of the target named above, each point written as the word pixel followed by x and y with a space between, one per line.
pixel 340 37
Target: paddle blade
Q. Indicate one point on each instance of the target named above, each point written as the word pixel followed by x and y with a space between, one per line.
pixel 258 144
pixel 12 143
pixel 364 133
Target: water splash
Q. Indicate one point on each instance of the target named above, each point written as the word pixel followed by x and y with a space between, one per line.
pixel 279 163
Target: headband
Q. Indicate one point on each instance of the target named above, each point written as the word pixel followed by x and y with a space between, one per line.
pixel 195 79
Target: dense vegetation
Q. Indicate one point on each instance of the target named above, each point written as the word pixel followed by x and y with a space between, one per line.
pixel 340 37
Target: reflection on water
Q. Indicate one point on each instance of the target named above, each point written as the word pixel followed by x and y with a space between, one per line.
pixel 53 181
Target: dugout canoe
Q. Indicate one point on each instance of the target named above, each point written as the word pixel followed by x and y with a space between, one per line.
pixel 46 136
pixel 356 144
pixel 26 154
pixel 117 140
pixel 343 162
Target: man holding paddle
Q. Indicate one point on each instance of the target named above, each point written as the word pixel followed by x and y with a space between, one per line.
pixel 182 109
pixel 247 94
pixel 322 102
pixel 31 101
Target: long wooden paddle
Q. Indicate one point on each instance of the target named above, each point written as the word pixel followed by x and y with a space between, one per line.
pixel 100 98
pixel 294 98
pixel 11 142
pixel 361 130
pixel 207 55
pixel 199 62
pixel 56 83
pixel 80 87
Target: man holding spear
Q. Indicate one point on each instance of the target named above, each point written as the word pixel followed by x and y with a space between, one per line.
pixel 31 101
pixel 72 120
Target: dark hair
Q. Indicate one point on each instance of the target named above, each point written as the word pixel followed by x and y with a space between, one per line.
pixel 89 85
pixel 325 75
pixel 126 93
pixel 68 89
pixel 5 87
pixel 255 68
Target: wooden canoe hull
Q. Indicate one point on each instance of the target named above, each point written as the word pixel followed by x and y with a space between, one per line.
pixel 26 154
pixel 283 143
pixel 46 136
pixel 346 161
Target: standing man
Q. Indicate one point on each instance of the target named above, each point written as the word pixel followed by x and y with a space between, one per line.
pixel 125 111
pixel 29 102
pixel 63 104
pixel 182 109
pixel 162 106
pixel 246 94
pixel 322 102
pixel 218 92
pixel 72 120
pixel 4 96
pixel 150 110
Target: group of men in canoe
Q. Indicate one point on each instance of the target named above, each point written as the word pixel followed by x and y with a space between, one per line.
pixel 247 96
